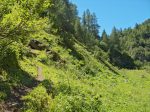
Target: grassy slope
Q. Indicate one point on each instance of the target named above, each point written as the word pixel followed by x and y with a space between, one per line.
pixel 129 93
pixel 72 89
pixel 126 93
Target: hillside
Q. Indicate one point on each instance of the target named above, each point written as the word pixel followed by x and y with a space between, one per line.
pixel 128 48
pixel 70 84
pixel 53 64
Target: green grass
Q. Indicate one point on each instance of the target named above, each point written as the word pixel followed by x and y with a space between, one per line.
pixel 128 92
pixel 78 85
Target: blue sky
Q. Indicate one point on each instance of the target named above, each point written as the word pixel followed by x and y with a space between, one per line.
pixel 118 13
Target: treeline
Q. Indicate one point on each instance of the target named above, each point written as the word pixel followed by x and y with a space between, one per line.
pixel 128 48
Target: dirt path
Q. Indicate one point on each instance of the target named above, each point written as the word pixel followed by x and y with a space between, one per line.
pixel 40 76
pixel 15 102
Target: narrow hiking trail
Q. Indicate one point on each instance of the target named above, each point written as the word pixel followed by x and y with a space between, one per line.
pixel 15 102
pixel 40 76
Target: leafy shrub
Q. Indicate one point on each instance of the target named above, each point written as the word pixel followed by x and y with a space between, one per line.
pixel 10 55
pixel 76 103
pixel 4 90
pixel 37 100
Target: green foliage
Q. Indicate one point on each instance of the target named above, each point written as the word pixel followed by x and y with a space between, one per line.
pixel 62 15
pixel 135 42
pixel 37 100
pixel 4 91
pixel 128 48
pixel 76 103
pixel 9 54
pixel 20 23
pixel 90 24
pixel 74 63
pixel 121 60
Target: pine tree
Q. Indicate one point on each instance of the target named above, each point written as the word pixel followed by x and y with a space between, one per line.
pixel 89 22
pixel 114 39
pixel 95 26
pixel 78 30
pixel 105 37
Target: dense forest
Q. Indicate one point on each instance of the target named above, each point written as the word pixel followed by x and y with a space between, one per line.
pixel 52 60
pixel 128 48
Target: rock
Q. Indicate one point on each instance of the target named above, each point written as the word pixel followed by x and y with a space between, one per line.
pixel 35 44
pixel 56 57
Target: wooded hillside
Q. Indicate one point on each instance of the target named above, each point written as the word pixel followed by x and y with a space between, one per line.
pixel 52 60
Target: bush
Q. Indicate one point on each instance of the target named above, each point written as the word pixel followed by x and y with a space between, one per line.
pixel 37 100
pixel 79 102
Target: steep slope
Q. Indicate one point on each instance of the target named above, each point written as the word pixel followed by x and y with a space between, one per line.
pixel 73 81
pixel 50 62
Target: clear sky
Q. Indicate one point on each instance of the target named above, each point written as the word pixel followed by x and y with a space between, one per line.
pixel 118 13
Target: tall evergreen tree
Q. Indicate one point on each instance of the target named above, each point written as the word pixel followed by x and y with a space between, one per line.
pixel 95 26
pixel 78 30
pixel 114 39
pixel 104 37
pixel 90 23
pixel 63 15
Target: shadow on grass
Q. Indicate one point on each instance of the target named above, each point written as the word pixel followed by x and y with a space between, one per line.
pixel 17 84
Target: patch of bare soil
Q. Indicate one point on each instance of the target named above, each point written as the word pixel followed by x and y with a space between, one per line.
pixel 14 103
